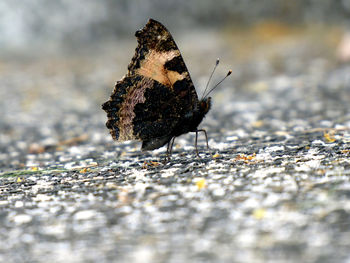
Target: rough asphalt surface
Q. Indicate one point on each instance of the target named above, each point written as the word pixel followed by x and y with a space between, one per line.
pixel 273 188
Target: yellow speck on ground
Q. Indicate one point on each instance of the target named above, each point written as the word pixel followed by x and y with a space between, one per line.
pixel 259 213
pixel 329 136
pixel 148 164
pixel 201 183
pixel 245 158
pixel 216 155
pixel 84 170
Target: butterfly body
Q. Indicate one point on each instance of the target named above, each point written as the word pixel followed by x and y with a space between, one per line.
pixel 156 100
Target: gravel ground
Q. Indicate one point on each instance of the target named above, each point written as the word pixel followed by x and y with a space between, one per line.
pixel 274 186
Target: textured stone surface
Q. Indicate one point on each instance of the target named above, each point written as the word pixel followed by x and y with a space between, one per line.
pixel 273 188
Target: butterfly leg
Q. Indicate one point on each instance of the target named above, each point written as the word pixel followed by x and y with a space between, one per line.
pixel 206 139
pixel 195 143
pixel 169 149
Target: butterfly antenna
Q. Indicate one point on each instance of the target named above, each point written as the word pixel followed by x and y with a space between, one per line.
pixel 211 75
pixel 228 74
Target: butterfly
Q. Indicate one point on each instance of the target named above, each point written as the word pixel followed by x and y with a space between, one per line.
pixel 156 101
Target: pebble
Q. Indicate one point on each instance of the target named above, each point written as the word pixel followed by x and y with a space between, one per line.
pixel 22 219
pixel 85 215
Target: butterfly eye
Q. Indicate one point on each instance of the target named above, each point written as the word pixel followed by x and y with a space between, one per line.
pixel 204 105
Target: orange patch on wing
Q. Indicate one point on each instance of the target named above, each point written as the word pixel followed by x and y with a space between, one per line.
pixel 153 67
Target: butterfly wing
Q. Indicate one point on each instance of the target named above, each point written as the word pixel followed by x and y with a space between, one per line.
pixel 155 94
pixel 139 110
pixel 158 57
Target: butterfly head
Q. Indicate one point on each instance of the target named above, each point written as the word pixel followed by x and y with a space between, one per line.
pixel 204 105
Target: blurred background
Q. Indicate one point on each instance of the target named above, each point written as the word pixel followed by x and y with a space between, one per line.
pixel 59 60
pixel 51 25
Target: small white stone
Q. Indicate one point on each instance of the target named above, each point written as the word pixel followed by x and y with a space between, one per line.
pixel 318 142
pixel 41 184
pixel 19 204
pixel 232 138
pixel 274 149
pixel 84 215
pixel 4 202
pixel 42 198
pixel 22 219
pixel 219 192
